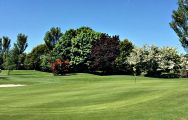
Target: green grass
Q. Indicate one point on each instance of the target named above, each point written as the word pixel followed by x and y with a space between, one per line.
pixel 91 97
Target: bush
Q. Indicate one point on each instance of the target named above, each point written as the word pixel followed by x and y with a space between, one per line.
pixel 184 73
pixel 44 63
pixel 60 67
pixel 169 75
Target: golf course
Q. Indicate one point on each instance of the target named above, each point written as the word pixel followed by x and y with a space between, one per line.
pixel 84 96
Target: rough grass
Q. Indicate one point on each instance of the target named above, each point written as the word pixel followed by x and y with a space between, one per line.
pixel 91 97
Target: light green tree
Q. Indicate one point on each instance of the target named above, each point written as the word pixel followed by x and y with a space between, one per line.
pixel 9 63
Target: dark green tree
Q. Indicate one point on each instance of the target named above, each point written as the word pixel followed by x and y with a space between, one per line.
pixel 52 37
pixel 6 44
pixel 1 54
pixel 122 65
pixel 33 59
pixel 21 43
pixel 180 22
pixel 18 50
pixel 5 47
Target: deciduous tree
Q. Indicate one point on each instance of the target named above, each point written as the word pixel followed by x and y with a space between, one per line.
pixel 180 22
pixel 104 52
pixel 52 37
pixel 122 65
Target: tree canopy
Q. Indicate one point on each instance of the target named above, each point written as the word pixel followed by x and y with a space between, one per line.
pixel 52 37
pixel 180 22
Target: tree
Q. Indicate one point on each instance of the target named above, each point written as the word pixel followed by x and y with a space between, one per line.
pixel 137 60
pixel 33 59
pixel 21 43
pixel 52 37
pixel 104 52
pixel 62 49
pixel 75 46
pixel 1 54
pixel 5 47
pixel 180 22
pixel 8 62
pixel 44 63
pixel 18 50
pixel 155 61
pixel 81 48
pixel 6 44
pixel 169 60
pixel 184 66
pixel 122 65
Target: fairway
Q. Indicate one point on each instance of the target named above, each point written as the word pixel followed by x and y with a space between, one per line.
pixel 91 97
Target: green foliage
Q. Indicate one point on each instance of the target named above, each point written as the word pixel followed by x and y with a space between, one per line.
pixel 44 63
pixel 21 43
pixel 33 59
pixel 89 51
pixel 18 51
pixel 122 65
pixel 81 47
pixel 1 54
pixel 52 37
pixel 75 46
pixel 63 47
pixel 180 22
pixel 6 44
pixel 8 62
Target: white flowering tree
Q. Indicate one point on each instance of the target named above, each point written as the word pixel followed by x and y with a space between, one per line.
pixel 169 60
pixel 184 62
pixel 184 66
pixel 151 57
pixel 153 60
pixel 136 60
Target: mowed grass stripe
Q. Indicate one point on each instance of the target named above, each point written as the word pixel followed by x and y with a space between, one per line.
pixel 85 96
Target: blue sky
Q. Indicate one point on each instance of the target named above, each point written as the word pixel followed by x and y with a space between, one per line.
pixel 141 21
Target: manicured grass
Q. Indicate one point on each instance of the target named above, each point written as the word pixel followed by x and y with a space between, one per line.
pixel 92 97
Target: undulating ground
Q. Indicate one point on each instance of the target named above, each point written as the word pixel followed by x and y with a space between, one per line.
pixel 92 97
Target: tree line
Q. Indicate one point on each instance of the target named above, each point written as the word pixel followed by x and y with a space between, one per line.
pixel 85 50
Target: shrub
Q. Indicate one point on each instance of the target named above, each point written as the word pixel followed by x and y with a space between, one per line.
pixel 184 73
pixel 44 63
pixel 60 67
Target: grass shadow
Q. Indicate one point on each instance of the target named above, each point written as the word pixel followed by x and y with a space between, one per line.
pixel 3 78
